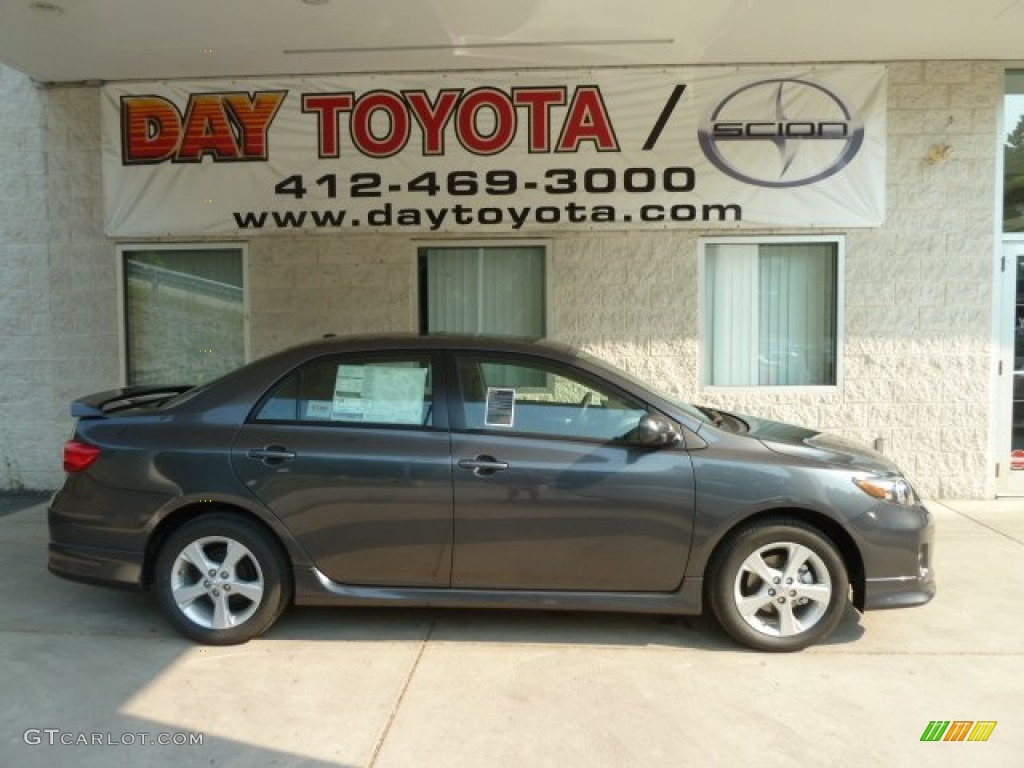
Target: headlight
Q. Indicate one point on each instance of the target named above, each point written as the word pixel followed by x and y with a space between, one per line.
pixel 895 490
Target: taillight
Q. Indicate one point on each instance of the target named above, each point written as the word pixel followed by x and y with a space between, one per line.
pixel 79 456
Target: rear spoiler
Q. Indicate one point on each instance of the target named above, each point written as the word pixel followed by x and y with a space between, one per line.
pixel 102 403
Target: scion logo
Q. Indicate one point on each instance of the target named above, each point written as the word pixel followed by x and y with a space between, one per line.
pixel 781 133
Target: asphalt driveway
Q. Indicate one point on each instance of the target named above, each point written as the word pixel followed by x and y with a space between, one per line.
pixel 484 688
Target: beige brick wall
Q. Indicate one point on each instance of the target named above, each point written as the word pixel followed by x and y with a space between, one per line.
pixel 302 288
pixel 58 331
pixel 918 311
pixel 917 339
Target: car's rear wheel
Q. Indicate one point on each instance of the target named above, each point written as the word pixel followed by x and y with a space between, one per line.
pixel 779 586
pixel 221 580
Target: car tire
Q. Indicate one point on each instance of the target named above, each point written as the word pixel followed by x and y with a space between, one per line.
pixel 221 580
pixel 778 585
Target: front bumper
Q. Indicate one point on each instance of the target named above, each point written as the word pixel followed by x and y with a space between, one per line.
pixel 898 561
pixel 898 592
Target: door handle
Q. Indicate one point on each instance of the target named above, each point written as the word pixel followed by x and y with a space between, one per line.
pixel 272 454
pixel 483 465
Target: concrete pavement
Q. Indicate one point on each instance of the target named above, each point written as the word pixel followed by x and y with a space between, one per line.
pixel 391 688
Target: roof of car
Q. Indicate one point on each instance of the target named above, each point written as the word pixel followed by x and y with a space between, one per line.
pixel 332 342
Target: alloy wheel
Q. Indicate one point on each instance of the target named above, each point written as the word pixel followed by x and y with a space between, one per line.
pixel 217 582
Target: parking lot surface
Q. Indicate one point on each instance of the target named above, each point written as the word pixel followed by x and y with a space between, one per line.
pixel 388 688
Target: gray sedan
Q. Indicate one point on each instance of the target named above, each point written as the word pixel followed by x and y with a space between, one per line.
pixel 474 472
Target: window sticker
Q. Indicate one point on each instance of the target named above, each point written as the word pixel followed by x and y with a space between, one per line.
pixel 380 394
pixel 318 410
pixel 501 406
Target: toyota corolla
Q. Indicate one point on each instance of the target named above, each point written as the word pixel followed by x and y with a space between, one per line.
pixel 470 472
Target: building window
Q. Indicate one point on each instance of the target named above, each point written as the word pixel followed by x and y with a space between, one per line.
pixel 771 312
pixel 494 290
pixel 1013 153
pixel 184 313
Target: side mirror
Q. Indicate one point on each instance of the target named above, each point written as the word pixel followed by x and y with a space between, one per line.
pixel 655 432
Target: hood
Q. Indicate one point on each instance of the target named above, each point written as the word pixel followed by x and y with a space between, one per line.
pixel 800 442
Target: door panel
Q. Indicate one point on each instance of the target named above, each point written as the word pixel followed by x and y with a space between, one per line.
pixel 570 515
pixel 550 494
pixel 351 453
pixel 369 506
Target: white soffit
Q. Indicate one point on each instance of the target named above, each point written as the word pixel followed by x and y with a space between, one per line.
pixel 88 40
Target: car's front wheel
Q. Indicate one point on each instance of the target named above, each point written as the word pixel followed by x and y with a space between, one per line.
pixel 779 586
pixel 221 580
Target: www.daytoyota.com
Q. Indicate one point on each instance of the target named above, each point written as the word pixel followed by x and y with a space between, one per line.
pixel 494 183
pixel 462 215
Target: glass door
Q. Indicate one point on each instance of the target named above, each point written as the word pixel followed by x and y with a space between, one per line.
pixel 1011 373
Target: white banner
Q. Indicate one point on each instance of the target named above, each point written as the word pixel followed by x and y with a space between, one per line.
pixel 495 153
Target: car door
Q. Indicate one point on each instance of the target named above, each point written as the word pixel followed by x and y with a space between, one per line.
pixel 550 492
pixel 352 453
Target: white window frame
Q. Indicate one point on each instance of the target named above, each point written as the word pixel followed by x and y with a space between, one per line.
pixel 122 321
pixel 546 244
pixel 704 372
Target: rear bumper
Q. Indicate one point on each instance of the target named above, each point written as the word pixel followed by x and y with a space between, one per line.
pixel 106 567
pixel 98 535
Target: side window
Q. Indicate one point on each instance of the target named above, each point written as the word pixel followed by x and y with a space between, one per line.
pixel 535 397
pixel 395 391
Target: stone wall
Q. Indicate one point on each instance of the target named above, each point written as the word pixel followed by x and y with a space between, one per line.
pixel 302 288
pixel 916 352
pixel 58 329
pixel 917 349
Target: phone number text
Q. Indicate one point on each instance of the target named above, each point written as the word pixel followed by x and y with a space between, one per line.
pixel 556 181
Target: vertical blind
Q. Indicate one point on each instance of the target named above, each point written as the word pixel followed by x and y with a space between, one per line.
pixel 772 315
pixel 488 290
